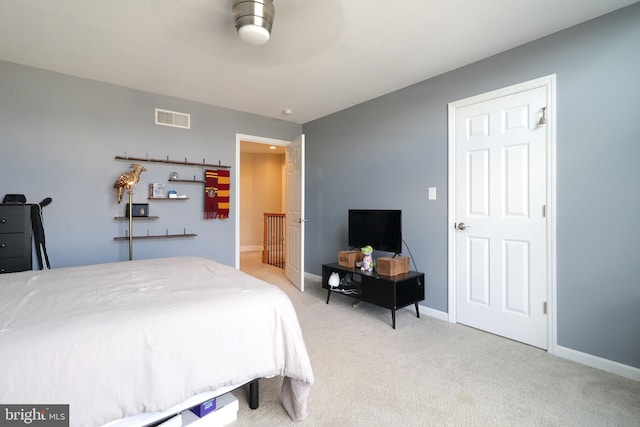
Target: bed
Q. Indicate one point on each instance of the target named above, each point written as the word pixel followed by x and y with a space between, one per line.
pixel 117 340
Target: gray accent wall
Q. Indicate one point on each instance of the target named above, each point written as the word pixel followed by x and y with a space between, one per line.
pixel 385 153
pixel 59 136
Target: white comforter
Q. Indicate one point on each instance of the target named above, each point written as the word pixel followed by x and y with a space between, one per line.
pixel 117 339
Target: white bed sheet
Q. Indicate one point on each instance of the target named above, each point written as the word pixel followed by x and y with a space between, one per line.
pixel 114 340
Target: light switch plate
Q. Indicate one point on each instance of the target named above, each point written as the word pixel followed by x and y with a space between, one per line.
pixel 432 193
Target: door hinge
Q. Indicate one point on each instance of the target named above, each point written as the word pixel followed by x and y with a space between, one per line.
pixel 544 211
pixel 544 307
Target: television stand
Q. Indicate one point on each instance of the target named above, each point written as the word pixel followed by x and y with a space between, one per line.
pixel 392 292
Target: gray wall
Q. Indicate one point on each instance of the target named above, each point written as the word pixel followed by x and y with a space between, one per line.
pixel 386 152
pixel 59 136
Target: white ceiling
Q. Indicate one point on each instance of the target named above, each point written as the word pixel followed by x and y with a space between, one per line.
pixel 323 56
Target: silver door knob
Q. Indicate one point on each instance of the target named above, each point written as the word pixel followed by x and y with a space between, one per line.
pixel 463 226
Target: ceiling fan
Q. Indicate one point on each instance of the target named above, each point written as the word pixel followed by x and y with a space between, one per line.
pixel 254 19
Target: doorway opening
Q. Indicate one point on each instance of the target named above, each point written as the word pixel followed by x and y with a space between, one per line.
pixel 261 198
pixel 291 200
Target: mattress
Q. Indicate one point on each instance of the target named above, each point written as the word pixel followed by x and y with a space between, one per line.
pixel 119 339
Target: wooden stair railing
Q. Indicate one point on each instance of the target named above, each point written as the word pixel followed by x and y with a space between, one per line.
pixel 273 243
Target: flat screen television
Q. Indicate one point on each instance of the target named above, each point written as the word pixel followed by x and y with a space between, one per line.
pixel 380 228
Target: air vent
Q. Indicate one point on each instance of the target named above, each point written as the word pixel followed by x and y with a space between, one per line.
pixel 173 119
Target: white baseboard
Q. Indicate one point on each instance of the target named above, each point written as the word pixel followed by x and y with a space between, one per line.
pixel 428 311
pixel 313 277
pixel 433 312
pixel 597 362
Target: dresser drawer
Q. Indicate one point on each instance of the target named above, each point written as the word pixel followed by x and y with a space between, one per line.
pixel 15 238
pixel 13 244
pixel 13 219
pixel 14 264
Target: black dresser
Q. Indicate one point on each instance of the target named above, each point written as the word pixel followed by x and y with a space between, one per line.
pixel 15 238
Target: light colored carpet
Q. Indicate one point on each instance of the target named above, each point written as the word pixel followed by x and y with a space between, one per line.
pixel 429 372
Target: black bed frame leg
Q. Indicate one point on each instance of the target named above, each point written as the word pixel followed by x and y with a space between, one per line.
pixel 254 399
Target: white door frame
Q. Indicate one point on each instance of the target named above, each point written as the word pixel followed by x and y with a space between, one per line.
pixel 549 82
pixel 258 140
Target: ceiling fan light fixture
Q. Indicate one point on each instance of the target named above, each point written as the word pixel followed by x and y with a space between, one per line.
pixel 253 19
pixel 253 34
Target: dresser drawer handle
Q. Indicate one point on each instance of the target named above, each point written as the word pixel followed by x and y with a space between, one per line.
pixel 3 220
pixel 3 245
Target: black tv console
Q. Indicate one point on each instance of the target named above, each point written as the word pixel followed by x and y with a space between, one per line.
pixel 392 292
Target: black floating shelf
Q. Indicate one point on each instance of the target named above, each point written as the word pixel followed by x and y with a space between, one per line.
pixel 168 198
pixel 188 181
pixel 159 236
pixel 136 218
pixel 172 162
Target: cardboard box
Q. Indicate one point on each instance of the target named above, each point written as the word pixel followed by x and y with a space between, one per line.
pixel 349 258
pixel 204 408
pixel 225 413
pixel 388 266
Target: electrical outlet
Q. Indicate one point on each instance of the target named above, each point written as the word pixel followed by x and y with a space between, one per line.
pixel 432 193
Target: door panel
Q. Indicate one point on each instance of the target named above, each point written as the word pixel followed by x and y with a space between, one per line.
pixel 478 186
pixel 516 191
pixel 516 277
pixel 294 164
pixel 478 269
pixel 500 191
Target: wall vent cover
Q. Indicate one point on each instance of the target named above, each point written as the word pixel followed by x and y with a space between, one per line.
pixel 173 119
